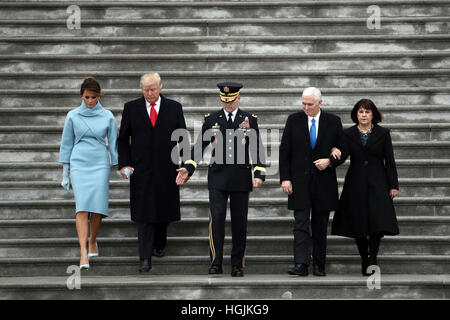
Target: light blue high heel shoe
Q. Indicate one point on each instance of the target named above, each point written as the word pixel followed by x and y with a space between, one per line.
pixel 84 266
pixel 91 255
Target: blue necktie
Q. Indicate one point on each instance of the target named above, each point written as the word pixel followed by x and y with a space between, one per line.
pixel 312 133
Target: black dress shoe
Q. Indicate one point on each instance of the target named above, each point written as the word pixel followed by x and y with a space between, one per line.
pixel 158 253
pixel 215 270
pixel 237 272
pixel 145 265
pixel 372 260
pixel 364 266
pixel 299 270
pixel 319 271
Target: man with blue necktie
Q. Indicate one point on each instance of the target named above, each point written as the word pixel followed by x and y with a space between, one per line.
pixel 308 177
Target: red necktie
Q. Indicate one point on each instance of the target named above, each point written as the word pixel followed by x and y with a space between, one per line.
pixel 153 115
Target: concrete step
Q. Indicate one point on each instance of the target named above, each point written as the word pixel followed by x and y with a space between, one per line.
pixel 136 10
pixel 257 226
pixel 119 189
pixel 209 97
pixel 199 207
pixel 345 265
pixel 50 152
pixel 407 60
pixel 399 132
pixel 273 117
pixel 266 286
pixel 199 245
pixel 218 44
pixel 253 79
pixel 118 27
pixel 52 171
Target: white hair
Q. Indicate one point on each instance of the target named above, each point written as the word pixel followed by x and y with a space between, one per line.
pixel 312 91
pixel 151 78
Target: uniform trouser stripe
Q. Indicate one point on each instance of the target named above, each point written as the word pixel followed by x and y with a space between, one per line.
pixel 211 241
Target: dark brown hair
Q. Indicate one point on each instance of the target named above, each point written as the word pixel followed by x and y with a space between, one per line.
pixel 91 84
pixel 368 105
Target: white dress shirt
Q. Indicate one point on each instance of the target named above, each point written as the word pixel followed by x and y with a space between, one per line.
pixel 233 114
pixel 149 106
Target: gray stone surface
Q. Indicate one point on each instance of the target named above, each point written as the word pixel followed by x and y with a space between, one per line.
pixel 276 48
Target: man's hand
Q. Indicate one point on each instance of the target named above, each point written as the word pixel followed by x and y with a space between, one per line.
pixel 122 171
pixel 393 193
pixel 257 182
pixel 322 164
pixel 336 153
pixel 286 185
pixel 182 177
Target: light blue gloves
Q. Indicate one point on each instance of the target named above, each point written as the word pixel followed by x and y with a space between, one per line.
pixel 66 178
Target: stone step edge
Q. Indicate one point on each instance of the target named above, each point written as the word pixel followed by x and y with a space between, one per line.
pixel 187 4
pixel 254 202
pixel 120 221
pixel 27 147
pixel 213 92
pixel 206 281
pixel 220 21
pixel 259 258
pixel 271 108
pixel 235 74
pixel 201 165
pixel 259 109
pixel 221 57
pixel 202 182
pixel 394 126
pixel 189 239
pixel 242 39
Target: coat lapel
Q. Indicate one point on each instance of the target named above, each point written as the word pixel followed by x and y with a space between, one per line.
pixel 353 134
pixel 322 125
pixel 376 134
pixel 143 112
pixel 304 124
pixel 238 119
pixel 162 111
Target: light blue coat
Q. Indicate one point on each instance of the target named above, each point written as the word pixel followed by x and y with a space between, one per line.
pixel 83 146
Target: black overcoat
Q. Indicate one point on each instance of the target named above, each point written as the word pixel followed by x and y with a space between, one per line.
pixel 296 161
pixel 365 206
pixel 154 194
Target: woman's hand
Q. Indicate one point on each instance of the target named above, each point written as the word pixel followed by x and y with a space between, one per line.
pixel 393 193
pixel 336 153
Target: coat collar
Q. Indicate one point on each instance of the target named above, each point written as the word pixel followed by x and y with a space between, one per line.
pixel 376 134
pixel 161 114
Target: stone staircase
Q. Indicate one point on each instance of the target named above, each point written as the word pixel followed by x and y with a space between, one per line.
pixel 276 48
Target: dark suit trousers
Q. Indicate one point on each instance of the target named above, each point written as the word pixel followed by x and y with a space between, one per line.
pixel 151 235
pixel 310 235
pixel 239 211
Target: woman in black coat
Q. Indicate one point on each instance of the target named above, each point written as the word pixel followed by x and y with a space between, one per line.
pixel 366 211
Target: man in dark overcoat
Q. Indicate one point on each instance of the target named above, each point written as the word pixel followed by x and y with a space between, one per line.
pixel 308 176
pixel 145 148
pixel 237 165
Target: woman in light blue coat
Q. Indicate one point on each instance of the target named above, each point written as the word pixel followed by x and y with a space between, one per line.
pixel 86 163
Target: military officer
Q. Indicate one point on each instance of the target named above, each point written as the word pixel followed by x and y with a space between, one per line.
pixel 235 139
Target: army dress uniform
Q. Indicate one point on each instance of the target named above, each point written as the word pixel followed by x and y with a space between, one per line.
pixel 237 152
